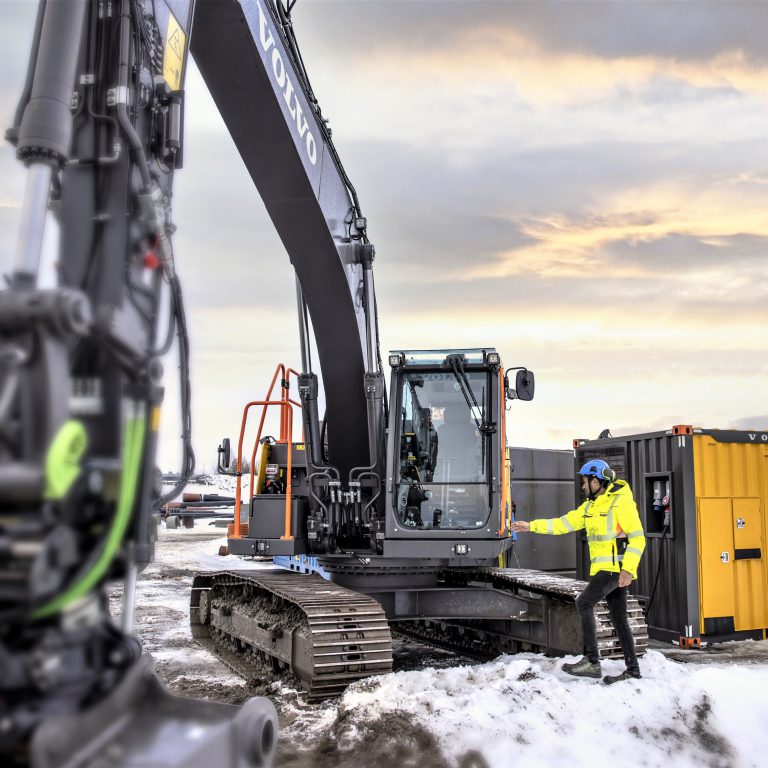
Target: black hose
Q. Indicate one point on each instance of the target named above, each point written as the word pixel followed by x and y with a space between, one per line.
pixel 122 109
pixel 658 572
pixel 323 436
pixel 168 338
pixel 188 454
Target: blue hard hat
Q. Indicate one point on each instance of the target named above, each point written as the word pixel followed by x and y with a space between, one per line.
pixel 599 469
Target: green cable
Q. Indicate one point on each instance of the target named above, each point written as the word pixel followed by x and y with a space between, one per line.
pixel 133 445
pixel 62 462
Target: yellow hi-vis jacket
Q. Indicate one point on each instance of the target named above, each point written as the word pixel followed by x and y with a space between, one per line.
pixel 611 515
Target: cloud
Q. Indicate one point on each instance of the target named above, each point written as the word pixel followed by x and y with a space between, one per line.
pixel 540 53
pixel 692 30
pixel 670 253
pixel 750 422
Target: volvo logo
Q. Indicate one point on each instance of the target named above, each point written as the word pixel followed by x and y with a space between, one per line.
pixel 758 437
pixel 280 74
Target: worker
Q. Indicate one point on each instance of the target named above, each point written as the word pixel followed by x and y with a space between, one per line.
pixel 616 543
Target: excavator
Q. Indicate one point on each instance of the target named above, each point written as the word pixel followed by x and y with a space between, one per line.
pixel 401 502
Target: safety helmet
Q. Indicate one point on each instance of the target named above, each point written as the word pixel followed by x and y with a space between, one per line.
pixel 599 469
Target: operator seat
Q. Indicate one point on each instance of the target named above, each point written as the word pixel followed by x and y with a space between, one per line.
pixel 458 449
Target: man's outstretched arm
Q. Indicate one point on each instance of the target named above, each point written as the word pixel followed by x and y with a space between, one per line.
pixel 568 523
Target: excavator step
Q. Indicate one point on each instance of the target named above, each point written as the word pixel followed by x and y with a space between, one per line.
pixel 295 624
pixel 567 590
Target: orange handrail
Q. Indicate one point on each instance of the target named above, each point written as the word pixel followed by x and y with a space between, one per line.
pixel 283 436
pixel 284 405
pixel 280 367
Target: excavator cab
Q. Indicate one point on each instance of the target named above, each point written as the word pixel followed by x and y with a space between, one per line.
pixel 447 475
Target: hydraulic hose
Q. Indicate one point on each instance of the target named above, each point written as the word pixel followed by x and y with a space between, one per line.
pixel 122 95
pixel 133 449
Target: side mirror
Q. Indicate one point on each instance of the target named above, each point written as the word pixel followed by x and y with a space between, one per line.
pixel 525 384
pixel 224 458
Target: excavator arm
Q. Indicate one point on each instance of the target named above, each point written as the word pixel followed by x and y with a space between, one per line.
pixel 252 67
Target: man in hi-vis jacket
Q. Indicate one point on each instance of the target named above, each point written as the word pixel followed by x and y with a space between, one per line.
pixel 616 543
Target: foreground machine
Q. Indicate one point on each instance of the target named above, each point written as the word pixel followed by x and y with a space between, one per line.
pixel 99 128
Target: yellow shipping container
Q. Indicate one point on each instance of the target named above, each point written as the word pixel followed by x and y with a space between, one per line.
pixel 731 487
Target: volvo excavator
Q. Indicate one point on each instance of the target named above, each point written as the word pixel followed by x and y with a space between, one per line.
pixel 401 502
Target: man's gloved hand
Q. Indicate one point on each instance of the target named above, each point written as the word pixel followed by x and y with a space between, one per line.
pixel 625 579
pixel 520 525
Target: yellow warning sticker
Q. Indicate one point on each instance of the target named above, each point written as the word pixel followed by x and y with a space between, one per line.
pixel 155 424
pixel 173 55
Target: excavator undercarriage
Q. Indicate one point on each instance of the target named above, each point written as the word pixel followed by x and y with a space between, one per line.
pixel 303 627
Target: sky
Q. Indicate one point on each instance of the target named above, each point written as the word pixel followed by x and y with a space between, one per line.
pixel 582 185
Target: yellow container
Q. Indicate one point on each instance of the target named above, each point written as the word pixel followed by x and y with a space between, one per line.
pixel 731 488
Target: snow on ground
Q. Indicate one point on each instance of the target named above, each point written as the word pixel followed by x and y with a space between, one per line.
pixel 440 710
pixel 524 709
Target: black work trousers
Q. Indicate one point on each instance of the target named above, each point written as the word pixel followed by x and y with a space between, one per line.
pixel 605 584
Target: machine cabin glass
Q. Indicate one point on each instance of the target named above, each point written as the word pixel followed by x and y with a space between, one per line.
pixel 444 451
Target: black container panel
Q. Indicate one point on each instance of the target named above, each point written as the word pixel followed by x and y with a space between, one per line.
pixel 542 486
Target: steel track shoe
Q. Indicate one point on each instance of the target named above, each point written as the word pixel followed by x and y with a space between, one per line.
pixel 625 675
pixel 583 668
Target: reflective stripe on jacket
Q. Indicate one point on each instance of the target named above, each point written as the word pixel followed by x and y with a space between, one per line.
pixel 609 515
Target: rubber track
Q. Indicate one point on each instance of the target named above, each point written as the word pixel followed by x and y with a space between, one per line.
pixel 337 635
pixel 540 583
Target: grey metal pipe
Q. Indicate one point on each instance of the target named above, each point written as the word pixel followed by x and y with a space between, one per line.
pixel 374 401
pixel 129 598
pixel 308 390
pixel 32 225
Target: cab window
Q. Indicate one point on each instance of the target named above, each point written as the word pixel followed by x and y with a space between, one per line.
pixel 444 456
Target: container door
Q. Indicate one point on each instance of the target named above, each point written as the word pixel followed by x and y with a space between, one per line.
pixel 716 577
pixel 749 565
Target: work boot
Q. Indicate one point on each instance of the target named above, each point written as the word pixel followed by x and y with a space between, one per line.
pixel 583 668
pixel 627 674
